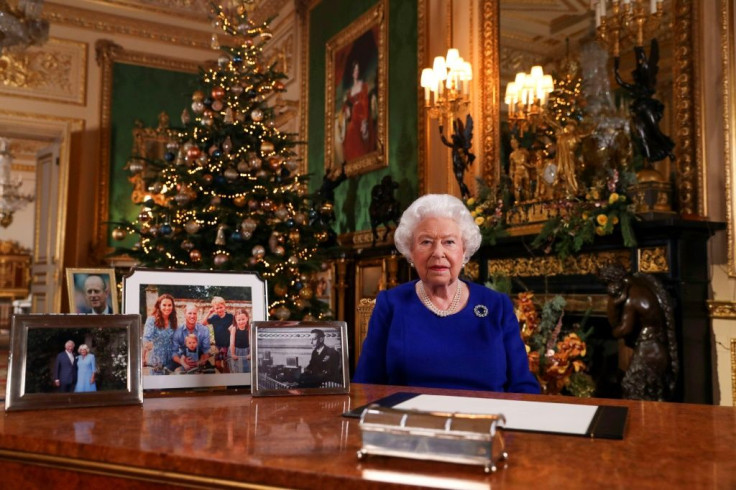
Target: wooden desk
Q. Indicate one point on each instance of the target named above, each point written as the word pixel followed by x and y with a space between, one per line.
pixel 235 441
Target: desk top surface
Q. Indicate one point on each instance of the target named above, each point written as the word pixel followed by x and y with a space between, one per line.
pixel 216 440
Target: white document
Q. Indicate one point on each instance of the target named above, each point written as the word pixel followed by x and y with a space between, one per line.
pixel 562 418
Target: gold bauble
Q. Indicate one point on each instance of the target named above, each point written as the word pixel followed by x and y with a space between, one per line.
pixel 280 289
pixel 240 201
pixel 119 234
pixel 267 147
pixel 306 292
pixel 195 255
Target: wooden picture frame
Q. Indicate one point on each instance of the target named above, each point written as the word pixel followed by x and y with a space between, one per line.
pixel 356 95
pixel 288 358
pixel 92 291
pixel 145 289
pixel 41 376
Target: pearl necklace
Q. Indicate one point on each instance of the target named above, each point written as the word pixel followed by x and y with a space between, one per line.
pixel 422 293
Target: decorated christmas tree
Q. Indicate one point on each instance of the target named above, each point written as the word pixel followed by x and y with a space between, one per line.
pixel 228 194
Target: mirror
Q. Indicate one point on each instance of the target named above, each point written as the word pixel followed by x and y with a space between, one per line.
pixel 539 33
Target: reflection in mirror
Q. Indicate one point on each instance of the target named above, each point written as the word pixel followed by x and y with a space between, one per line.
pixel 560 38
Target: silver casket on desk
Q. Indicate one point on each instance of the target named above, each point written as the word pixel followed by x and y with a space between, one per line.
pixel 449 437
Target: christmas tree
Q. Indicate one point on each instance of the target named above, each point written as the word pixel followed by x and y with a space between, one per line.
pixel 228 194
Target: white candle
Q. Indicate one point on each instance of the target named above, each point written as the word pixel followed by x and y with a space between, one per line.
pixel 653 6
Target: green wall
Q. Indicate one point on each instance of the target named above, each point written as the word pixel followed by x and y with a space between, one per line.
pixel 352 198
pixel 141 93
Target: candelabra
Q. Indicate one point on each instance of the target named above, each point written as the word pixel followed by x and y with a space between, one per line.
pixel 11 200
pixel 526 97
pixel 626 18
pixel 447 85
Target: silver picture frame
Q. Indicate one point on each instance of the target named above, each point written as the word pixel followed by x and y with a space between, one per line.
pixel 299 358
pixel 37 346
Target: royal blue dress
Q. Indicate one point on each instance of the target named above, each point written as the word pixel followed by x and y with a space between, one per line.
pixel 477 348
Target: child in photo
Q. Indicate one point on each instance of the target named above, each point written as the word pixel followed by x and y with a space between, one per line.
pixel 191 351
pixel 239 344
pixel 221 321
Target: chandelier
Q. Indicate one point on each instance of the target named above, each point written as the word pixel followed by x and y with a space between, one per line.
pixel 11 200
pixel 21 25
pixel 447 85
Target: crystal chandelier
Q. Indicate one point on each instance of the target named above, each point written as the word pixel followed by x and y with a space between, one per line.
pixel 21 25
pixel 11 200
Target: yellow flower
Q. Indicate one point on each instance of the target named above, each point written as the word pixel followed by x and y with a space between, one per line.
pixel 586 215
pixel 599 231
pixel 479 220
pixel 470 201
pixel 615 220
pixel 596 195
pixel 479 210
pixel 473 214
pixel 602 219
pixel 613 198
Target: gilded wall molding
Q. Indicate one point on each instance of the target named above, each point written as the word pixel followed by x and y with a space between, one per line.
pixel 303 12
pixel 728 64
pixel 107 54
pixel 422 130
pixel 581 264
pixel 733 371
pixel 686 91
pixel 489 82
pixel 116 24
pixel 57 72
pixel 722 309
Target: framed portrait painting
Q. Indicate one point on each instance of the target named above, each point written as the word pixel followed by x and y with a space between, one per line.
pixel 355 99
pixel 299 358
pixel 92 291
pixel 59 361
pixel 195 325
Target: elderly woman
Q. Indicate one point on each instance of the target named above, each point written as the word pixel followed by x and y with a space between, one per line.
pixel 440 331
pixel 86 370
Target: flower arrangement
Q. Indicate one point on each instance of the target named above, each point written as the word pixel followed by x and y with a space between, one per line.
pixel 489 211
pixel 557 353
pixel 598 213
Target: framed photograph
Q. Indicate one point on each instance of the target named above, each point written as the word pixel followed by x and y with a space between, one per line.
pixel 299 358
pixel 92 291
pixel 355 99
pixel 196 325
pixel 61 361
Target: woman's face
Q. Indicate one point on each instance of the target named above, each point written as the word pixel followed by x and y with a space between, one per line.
pixel 167 306
pixel 241 320
pixel 356 71
pixel 83 352
pixel 437 251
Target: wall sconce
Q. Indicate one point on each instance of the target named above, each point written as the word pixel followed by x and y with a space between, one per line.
pixel 626 17
pixel 527 96
pixel 447 85
pixel 22 26
pixel 11 200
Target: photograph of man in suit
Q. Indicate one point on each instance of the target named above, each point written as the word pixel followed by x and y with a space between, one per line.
pixel 324 364
pixel 95 294
pixel 65 369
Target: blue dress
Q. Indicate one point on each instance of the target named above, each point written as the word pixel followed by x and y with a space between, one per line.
pixel 85 369
pixel 477 348
pixel 162 351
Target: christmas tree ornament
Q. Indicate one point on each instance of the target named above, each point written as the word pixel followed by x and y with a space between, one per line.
pixel 153 230
pixel 197 107
pixel 220 238
pixel 207 179
pixel 242 166
pixel 280 289
pixel 321 236
pixel 258 252
pixel 197 96
pixel 281 213
pixel 300 218
pixel 274 162
pixel 119 233
pixel 263 174
pixel 217 105
pixel 239 201
pixel 326 208
pixel 236 236
pixel 165 229
pixel 294 236
pixel 236 89
pixel 253 205
pixel 228 118
pixel 191 227
pixel 218 92
pixel 282 313
pixel 202 160
pixel 193 152
pixel 247 235
pixel 227 145
pixel 207 120
pixel 279 251
pixel 135 165
pixel 300 303
pixel 185 117
pixel 291 165
pixel 248 225
pixel 293 260
pixel 208 102
pixel 231 174
pixel 215 201
pixel 256 115
pixel 187 245
pixel 266 147
pixel 195 255
pixel 169 156
pixel 267 205
pixel 309 318
pixel 254 162
pixel 145 229
pixel 144 216
pixel 220 259
pixel 222 61
pixel 182 199
pixel 279 86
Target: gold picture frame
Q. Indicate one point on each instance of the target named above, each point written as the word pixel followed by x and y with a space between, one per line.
pixel 728 33
pixel 356 95
pixel 41 376
pixel 85 293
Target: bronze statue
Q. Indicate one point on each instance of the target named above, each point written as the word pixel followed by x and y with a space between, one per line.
pixel 462 159
pixel 384 207
pixel 646 111
pixel 640 312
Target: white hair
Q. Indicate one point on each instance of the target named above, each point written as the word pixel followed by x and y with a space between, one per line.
pixel 437 206
pixel 82 347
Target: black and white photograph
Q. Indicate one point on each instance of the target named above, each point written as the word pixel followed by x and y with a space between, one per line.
pixel 299 358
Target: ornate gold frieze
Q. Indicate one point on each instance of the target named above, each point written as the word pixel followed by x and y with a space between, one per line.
pixel 586 263
pixel 116 24
pixel 579 303
pixel 56 71
pixel 653 259
pixel 489 82
pixel 363 239
pixel 722 309
pixel 422 42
